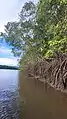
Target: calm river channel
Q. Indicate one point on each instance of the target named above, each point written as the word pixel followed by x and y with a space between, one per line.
pixel 40 100
pixel 9 95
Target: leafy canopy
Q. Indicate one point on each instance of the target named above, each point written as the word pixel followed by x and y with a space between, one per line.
pixel 40 32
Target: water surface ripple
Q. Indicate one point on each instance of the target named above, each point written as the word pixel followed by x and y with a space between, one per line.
pixel 9 95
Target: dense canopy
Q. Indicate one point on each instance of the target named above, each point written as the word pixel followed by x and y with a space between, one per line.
pixel 40 32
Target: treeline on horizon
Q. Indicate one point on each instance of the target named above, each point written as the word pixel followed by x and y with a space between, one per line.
pixel 8 67
pixel 40 32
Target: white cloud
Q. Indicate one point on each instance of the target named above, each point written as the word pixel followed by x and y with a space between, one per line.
pixel 8 61
pixel 5 50
pixel 8 58
pixel 9 10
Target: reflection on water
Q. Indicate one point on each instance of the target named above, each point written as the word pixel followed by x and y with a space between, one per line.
pixel 9 96
pixel 42 101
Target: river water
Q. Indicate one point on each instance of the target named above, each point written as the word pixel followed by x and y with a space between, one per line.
pixel 9 95
pixel 40 100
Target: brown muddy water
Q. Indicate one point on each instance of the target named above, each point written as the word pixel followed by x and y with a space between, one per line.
pixel 41 101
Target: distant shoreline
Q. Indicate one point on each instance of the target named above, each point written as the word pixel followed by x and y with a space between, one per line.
pixel 9 67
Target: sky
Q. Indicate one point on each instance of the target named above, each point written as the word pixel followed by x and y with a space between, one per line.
pixel 6 56
pixel 9 10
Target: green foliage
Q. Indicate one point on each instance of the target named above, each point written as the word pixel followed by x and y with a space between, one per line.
pixel 52 26
pixel 49 53
pixel 19 34
pixel 40 31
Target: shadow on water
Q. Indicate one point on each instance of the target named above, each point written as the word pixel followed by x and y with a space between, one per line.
pixel 41 101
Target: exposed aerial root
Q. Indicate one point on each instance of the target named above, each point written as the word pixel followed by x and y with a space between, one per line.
pixel 52 71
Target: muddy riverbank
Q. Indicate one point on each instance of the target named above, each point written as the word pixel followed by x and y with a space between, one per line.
pixel 52 71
